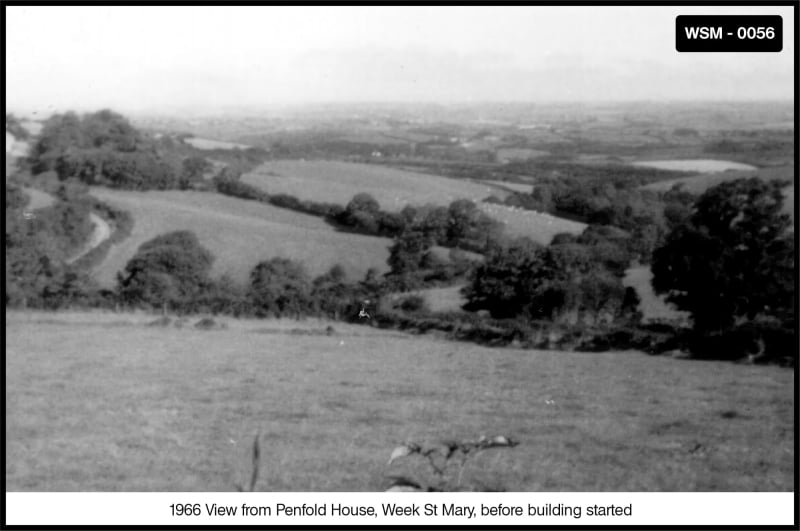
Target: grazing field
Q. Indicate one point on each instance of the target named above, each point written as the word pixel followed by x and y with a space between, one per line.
pixel 697 184
pixel 538 226
pixel 514 187
pixel 39 199
pixel 16 147
pixel 207 143
pixel 698 165
pixel 102 402
pixel 240 233
pixel 338 182
pixel 509 154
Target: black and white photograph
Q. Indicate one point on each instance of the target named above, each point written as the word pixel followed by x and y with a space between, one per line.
pixel 385 249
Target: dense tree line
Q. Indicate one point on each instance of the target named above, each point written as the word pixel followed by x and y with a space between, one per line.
pixel 646 216
pixel 37 244
pixel 172 272
pixel 103 148
pixel 567 281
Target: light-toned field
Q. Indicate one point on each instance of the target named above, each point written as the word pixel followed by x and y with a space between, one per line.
pixel 448 299
pixel 697 184
pixel 207 143
pixel 15 148
pixel 240 233
pixel 652 306
pixel 508 154
pixel 538 226
pixel 338 182
pixel 698 165
pixel 34 127
pixel 515 187
pixel 104 403
pixel 39 199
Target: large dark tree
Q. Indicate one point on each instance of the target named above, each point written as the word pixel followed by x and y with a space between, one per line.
pixel 362 213
pixel 280 286
pixel 408 250
pixel 170 269
pixel 560 282
pixel 731 262
pixel 508 279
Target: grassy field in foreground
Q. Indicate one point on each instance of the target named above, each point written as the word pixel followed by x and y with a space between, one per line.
pixel 103 402
pixel 240 233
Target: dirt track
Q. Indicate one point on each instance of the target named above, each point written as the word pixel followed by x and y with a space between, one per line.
pixel 101 232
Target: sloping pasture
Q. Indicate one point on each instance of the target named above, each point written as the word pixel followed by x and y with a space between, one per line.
pixel 240 233
pixel 105 403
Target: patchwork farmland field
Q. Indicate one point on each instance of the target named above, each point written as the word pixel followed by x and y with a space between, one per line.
pixel 240 233
pixel 101 402
pixel 338 182
pixel 538 226
pixel 516 187
pixel 39 199
pixel 207 143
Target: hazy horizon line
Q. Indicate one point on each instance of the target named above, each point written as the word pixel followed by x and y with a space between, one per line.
pixel 49 110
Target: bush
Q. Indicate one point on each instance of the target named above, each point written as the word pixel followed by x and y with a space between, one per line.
pixel 280 286
pixel 170 269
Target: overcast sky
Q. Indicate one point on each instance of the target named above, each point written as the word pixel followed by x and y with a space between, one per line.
pixel 156 58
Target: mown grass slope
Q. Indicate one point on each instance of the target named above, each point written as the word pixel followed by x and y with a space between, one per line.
pixel 105 403
pixel 338 182
pixel 240 233
pixel 538 226
pixel 39 199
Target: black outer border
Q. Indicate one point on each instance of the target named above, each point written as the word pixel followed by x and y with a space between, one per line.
pixel 640 3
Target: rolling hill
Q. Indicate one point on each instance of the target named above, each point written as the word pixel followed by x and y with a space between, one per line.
pixel 338 182
pixel 240 234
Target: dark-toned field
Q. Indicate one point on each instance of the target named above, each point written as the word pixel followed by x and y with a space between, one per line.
pixel 104 402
